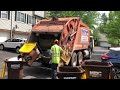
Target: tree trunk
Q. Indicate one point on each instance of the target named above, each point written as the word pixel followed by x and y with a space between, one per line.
pixel 118 43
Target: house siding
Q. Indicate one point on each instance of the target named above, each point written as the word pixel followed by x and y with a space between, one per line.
pixel 23 28
pixel 104 41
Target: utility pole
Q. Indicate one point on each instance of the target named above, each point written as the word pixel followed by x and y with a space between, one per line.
pixel 11 27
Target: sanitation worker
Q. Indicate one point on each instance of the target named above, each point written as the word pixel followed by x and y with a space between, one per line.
pixel 56 51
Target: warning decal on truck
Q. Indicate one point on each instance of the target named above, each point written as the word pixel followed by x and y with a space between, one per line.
pixel 84 36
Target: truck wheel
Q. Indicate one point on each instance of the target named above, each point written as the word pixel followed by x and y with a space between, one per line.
pixel 74 60
pixel 89 56
pixel 79 58
pixel 1 47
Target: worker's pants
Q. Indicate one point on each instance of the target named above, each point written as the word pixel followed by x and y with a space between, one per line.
pixel 54 70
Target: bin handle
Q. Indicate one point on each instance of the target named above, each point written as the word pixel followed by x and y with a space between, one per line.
pixel 110 63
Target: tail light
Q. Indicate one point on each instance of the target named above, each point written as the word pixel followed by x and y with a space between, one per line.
pixel 104 57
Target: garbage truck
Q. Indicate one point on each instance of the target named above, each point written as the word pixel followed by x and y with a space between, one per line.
pixel 73 36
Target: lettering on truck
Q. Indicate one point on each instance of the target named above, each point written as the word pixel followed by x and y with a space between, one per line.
pixel 84 37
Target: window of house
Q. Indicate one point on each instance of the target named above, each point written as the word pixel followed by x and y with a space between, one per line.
pixel 4 14
pixel 31 19
pixel 18 16
pixel 21 17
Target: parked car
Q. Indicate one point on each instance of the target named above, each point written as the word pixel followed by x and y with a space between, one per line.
pixel 113 56
pixel 12 43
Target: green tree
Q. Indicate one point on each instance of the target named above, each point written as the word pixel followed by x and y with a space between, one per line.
pixel 113 41
pixel 103 20
pixel 111 27
pixel 96 36
pixel 88 17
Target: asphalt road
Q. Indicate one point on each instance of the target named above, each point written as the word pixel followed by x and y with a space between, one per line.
pixel 38 72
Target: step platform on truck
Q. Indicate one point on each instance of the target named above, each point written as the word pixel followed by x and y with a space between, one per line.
pixel 68 72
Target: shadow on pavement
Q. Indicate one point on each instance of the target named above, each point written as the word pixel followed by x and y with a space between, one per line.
pixel 10 50
pixel 36 71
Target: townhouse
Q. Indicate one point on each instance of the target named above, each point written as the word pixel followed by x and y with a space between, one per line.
pixel 18 24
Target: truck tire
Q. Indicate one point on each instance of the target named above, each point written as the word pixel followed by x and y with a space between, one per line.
pixel 79 58
pixel 74 60
pixel 89 56
pixel 1 47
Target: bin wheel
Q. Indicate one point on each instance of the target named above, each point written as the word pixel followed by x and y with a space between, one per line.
pixel 1 47
pixel 74 60
pixel 116 72
pixel 79 58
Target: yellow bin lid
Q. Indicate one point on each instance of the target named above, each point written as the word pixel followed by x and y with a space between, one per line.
pixel 27 47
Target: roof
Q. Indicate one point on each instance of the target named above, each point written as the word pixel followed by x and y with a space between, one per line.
pixel 49 25
pixel 61 19
pixel 53 28
pixel 115 48
pixel 21 38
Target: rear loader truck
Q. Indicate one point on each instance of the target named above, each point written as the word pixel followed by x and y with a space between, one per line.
pixel 73 36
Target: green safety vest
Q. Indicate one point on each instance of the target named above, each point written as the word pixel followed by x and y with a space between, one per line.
pixel 56 50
